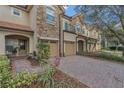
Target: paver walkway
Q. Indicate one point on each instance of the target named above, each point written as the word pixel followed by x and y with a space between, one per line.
pixel 23 64
pixel 93 72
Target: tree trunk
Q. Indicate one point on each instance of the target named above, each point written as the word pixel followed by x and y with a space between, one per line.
pixel 119 38
pixel 123 51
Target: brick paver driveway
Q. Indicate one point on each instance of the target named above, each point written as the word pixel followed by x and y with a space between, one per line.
pixel 24 65
pixel 93 72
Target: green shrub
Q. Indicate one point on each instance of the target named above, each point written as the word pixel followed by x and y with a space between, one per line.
pixel 109 56
pixel 43 51
pixel 8 80
pixel 24 78
pixel 47 77
pixel 5 75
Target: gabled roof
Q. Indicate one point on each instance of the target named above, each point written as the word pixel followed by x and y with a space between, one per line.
pixel 26 8
pixel 67 17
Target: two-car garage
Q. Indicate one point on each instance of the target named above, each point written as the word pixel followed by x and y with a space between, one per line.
pixel 69 45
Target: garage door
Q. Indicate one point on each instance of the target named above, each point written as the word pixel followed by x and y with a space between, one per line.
pixel 70 48
pixel 54 49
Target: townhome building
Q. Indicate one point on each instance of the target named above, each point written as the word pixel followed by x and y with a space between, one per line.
pixel 23 27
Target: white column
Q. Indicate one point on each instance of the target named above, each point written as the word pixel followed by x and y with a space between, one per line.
pixel 2 44
pixel 30 44
pixel 77 45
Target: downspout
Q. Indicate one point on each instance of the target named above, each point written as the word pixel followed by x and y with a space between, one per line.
pixel 63 43
pixel 60 37
pixel 76 46
pixel 86 45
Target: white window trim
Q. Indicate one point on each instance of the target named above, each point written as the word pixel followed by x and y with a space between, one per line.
pixel 12 10
pixel 49 38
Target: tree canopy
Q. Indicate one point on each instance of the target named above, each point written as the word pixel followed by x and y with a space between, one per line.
pixel 107 18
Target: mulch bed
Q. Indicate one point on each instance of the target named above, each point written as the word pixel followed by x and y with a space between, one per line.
pixel 33 62
pixel 65 81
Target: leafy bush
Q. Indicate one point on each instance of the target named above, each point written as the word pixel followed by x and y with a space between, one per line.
pixel 43 51
pixel 120 48
pixel 109 56
pixel 46 77
pixel 113 48
pixel 5 75
pixel 8 80
pixel 24 78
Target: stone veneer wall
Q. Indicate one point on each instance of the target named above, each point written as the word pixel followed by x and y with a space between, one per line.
pixel 46 29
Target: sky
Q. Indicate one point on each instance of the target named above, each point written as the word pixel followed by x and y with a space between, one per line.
pixel 70 10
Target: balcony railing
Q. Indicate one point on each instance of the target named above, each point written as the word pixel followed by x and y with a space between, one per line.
pixel 70 28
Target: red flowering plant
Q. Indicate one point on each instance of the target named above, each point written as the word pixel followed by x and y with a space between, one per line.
pixel 56 61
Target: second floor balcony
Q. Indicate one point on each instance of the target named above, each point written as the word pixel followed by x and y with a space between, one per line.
pixel 70 28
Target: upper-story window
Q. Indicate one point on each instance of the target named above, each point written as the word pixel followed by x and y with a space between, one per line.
pixel 16 12
pixel 66 25
pixel 50 14
pixel 87 33
pixel 83 31
pixel 78 28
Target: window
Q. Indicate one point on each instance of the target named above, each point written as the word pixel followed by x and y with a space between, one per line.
pixel 78 27
pixel 83 31
pixel 16 12
pixel 50 14
pixel 66 25
pixel 22 44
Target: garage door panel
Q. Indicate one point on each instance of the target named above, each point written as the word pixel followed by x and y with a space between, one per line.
pixel 53 49
pixel 70 48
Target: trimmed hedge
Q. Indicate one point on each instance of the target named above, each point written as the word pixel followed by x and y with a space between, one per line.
pixel 109 56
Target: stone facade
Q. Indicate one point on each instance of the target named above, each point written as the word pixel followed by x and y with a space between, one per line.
pixel 44 28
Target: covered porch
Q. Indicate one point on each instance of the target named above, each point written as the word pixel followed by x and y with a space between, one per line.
pixel 16 43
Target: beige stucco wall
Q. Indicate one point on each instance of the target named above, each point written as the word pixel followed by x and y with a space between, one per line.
pixel 69 37
pixel 98 47
pixel 4 33
pixel 2 43
pixel 6 15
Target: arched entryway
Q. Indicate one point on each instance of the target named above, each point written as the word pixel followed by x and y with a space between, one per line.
pixel 80 46
pixel 16 45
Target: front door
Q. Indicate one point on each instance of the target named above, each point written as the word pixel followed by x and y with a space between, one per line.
pixel 22 47
pixel 16 47
pixel 80 46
